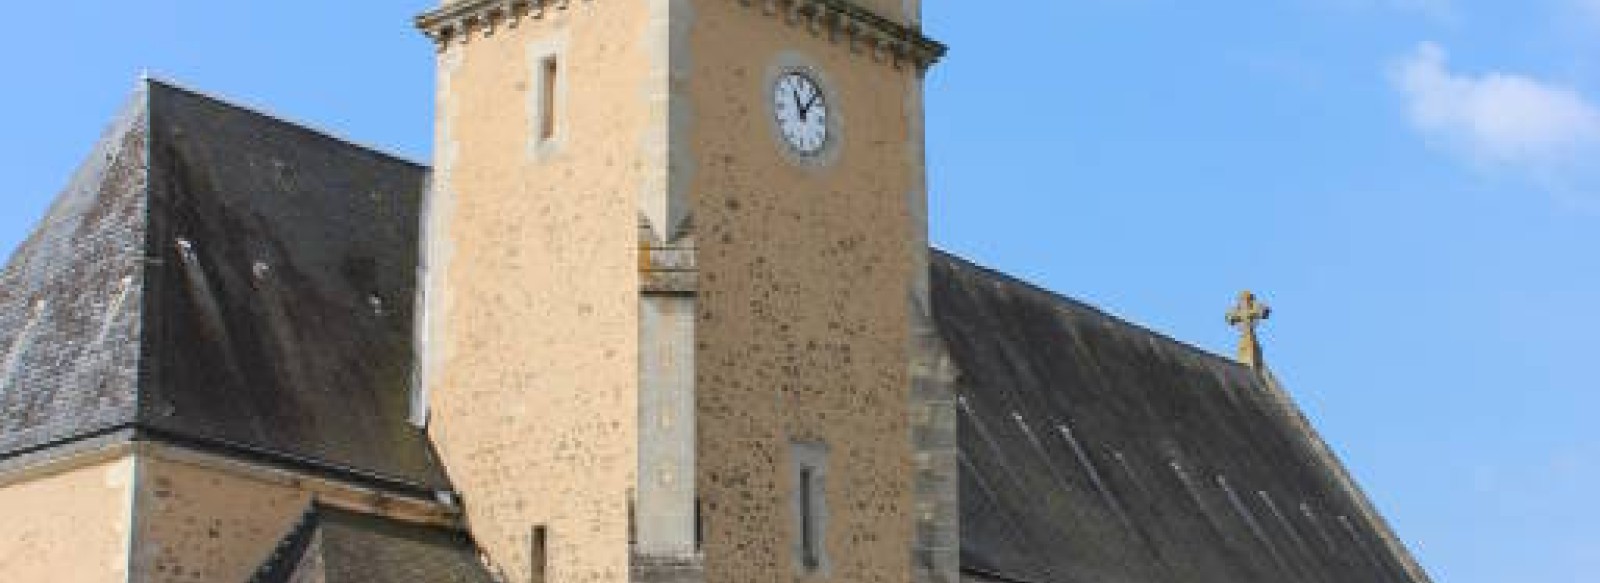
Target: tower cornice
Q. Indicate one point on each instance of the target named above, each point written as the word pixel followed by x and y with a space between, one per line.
pixel 841 20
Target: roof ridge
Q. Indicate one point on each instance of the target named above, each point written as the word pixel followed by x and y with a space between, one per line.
pixel 265 112
pixel 1120 320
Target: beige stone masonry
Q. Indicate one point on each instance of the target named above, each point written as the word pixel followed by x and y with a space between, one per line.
pixel 532 341
pixel 148 512
pixel 68 522
pixel 206 517
pixel 806 273
pixel 626 336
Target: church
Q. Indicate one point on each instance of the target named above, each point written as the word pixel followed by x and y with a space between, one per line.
pixel 662 309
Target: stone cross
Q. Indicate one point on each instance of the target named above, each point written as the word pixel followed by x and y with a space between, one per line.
pixel 1245 316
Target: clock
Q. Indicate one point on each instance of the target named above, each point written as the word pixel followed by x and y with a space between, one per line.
pixel 800 108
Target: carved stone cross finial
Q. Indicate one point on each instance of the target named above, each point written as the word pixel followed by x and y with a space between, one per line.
pixel 1245 316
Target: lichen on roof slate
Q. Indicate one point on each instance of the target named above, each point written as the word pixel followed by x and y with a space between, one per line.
pixel 220 276
pixel 280 303
pixel 70 299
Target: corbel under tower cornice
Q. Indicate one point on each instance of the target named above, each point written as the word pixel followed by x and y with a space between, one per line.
pixel 841 20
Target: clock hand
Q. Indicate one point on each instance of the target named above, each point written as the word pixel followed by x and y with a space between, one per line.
pixel 795 93
pixel 813 100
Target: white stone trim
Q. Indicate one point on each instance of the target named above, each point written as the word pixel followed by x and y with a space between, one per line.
pixel 810 456
pixel 432 332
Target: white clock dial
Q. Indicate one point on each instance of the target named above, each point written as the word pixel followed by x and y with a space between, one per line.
pixel 801 111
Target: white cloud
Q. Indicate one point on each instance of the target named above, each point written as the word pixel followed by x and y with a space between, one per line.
pixel 1590 8
pixel 1501 119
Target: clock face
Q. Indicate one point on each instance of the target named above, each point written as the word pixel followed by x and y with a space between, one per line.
pixel 801 111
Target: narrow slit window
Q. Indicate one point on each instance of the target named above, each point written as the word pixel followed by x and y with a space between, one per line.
pixel 549 79
pixel 699 524
pixel 810 506
pixel 811 558
pixel 633 519
pixel 538 554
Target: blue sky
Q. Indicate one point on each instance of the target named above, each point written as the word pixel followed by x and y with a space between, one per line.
pixel 1410 183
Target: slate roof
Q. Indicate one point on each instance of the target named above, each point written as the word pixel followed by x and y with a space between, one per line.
pixel 1096 451
pixel 70 299
pixel 217 275
pixel 335 546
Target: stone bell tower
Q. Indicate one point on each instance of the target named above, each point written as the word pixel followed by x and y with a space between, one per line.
pixel 675 323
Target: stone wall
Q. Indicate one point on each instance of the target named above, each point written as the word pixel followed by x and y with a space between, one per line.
pixel 533 287
pixel 806 271
pixel 67 526
pixel 556 373
pixel 200 524
pixel 206 517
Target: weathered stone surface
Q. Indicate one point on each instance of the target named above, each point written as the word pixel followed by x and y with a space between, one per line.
pixel 532 343
pixel 198 524
pixel 806 273
pixel 68 526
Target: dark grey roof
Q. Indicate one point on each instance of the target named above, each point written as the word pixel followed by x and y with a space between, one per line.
pixel 70 299
pixel 218 275
pixel 335 546
pixel 1095 451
